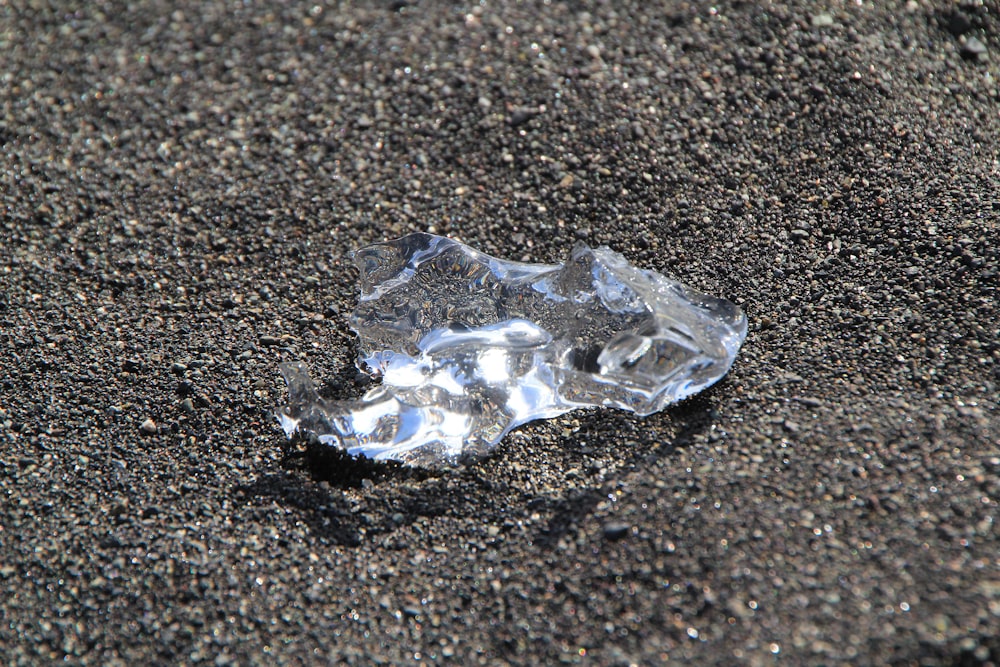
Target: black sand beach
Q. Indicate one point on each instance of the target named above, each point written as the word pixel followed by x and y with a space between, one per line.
pixel 180 183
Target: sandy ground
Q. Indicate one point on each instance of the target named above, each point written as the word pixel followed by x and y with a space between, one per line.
pixel 180 183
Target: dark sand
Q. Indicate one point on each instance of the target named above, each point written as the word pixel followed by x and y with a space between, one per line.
pixel 179 188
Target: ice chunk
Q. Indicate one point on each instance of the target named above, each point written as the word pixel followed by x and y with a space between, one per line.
pixel 469 346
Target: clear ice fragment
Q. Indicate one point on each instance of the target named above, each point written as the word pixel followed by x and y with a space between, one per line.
pixel 469 346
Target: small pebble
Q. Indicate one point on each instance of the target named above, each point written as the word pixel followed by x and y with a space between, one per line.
pixel 616 530
pixel 973 49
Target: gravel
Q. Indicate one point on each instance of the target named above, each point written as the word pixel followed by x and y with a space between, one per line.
pixel 180 184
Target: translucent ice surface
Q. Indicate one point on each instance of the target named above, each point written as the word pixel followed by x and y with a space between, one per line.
pixel 469 346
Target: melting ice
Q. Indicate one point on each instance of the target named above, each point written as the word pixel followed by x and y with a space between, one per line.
pixel 469 346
